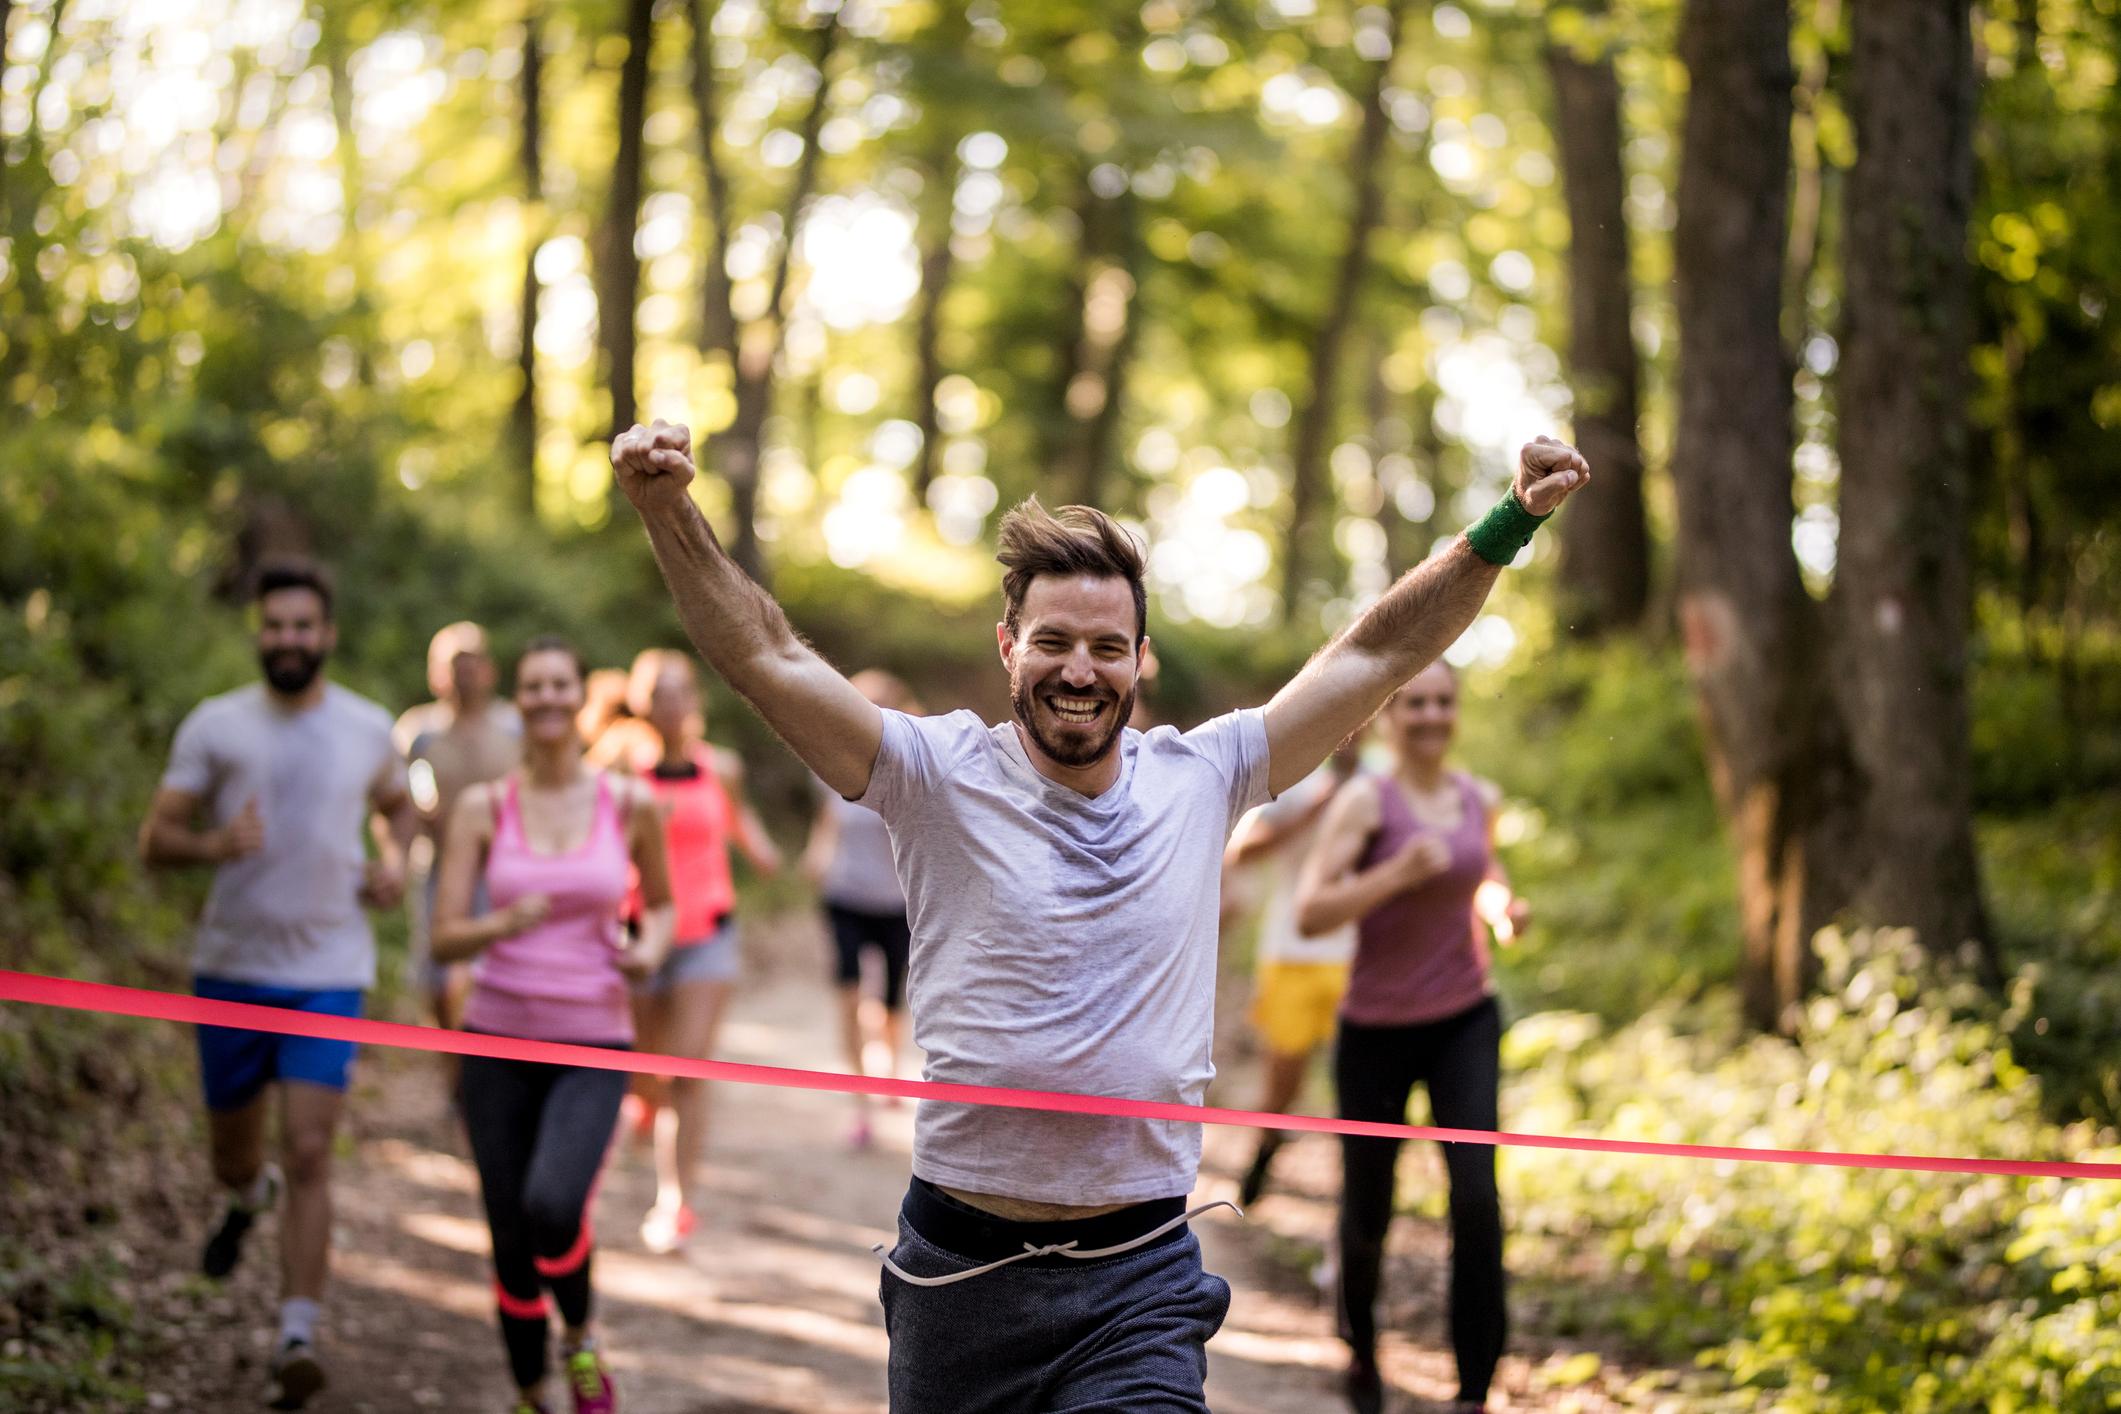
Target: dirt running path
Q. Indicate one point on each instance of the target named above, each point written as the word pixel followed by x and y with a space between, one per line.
pixel 773 1307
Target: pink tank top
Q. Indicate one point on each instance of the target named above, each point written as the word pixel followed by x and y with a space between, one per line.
pixel 698 819
pixel 559 981
pixel 1422 955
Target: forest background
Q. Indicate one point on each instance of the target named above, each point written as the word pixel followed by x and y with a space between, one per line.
pixel 1824 290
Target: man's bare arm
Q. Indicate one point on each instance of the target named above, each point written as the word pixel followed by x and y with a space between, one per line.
pixel 737 626
pixel 1402 633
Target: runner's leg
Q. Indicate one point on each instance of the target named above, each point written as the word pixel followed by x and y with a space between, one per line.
pixel 1463 1078
pixel 309 1120
pixel 502 1102
pixel 1373 1070
pixel 695 1020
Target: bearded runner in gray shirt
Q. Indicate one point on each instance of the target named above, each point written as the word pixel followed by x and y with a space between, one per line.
pixel 1061 877
pixel 271 785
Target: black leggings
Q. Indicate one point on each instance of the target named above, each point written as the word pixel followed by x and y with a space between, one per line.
pixel 1375 1068
pixel 538 1136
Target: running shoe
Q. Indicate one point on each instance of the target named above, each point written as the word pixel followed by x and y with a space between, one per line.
pixel 296 1375
pixel 527 1406
pixel 1255 1180
pixel 1365 1387
pixel 665 1230
pixel 225 1248
pixel 590 1385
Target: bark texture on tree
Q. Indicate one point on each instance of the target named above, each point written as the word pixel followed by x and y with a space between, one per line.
pixel 1605 547
pixel 1096 391
pixel 1314 423
pixel 1902 570
pixel 523 417
pixel 937 216
pixel 717 322
pixel 756 350
pixel 1751 633
pixel 618 266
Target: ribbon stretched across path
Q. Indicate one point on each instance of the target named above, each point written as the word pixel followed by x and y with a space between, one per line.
pixel 110 1000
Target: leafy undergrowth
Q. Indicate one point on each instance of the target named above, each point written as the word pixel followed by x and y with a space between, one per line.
pixel 1819 1290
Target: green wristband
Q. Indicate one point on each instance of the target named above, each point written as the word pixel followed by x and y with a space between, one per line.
pixel 1504 531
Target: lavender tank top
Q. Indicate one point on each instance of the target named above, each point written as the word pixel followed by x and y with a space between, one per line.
pixel 1422 955
pixel 560 981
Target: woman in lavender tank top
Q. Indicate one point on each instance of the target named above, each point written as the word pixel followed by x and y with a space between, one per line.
pixel 1409 858
pixel 554 842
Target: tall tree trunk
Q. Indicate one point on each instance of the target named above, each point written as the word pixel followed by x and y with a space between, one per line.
pixel 1605 544
pixel 938 214
pixel 1096 391
pixel 717 320
pixel 1748 625
pixel 1902 572
pixel 1314 424
pixel 523 418
pixel 741 446
pixel 618 267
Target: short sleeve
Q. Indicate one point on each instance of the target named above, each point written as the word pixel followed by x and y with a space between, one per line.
pixel 1236 744
pixel 915 755
pixel 1296 802
pixel 191 757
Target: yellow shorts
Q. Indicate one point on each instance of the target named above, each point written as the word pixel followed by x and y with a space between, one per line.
pixel 1295 1004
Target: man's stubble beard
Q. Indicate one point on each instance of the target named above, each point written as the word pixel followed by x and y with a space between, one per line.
pixel 1022 700
pixel 291 680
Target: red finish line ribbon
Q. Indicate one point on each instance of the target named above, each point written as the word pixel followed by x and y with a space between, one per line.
pixel 110 1000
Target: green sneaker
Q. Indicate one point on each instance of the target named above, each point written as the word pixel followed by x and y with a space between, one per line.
pixel 590 1384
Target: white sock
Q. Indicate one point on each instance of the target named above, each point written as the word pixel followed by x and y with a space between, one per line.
pixel 257 1195
pixel 298 1320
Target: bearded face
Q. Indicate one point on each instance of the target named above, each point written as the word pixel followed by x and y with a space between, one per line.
pixel 295 637
pixel 1074 663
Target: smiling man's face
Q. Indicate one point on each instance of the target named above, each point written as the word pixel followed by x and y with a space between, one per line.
pixel 1073 665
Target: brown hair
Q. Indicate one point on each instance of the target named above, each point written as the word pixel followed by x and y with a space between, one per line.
pixel 552 643
pixel 293 572
pixel 649 665
pixel 1075 540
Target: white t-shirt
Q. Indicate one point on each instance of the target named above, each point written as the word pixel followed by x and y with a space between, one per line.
pixel 1280 940
pixel 1063 942
pixel 290 914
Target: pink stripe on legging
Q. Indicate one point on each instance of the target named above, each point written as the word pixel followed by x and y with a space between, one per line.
pixel 523 1308
pixel 572 1259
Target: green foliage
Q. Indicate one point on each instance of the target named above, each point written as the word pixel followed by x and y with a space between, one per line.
pixel 1609 831
pixel 1826 1289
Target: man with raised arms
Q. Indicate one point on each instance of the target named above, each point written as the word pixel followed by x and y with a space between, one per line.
pixel 1061 877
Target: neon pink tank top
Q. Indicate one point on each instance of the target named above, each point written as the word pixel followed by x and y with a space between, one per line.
pixel 698 819
pixel 1422 955
pixel 559 981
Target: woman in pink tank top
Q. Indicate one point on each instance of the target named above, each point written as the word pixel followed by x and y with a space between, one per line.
pixel 1409 858
pixel 699 790
pixel 556 842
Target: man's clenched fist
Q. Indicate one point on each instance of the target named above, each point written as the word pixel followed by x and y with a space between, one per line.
pixel 1547 473
pixel 653 463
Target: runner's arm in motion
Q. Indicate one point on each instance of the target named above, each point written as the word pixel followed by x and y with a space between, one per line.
pixel 1403 632
pixel 823 844
pixel 749 832
pixel 657 927
pixel 737 626
pixel 392 826
pixel 454 935
pixel 170 838
pixel 1333 889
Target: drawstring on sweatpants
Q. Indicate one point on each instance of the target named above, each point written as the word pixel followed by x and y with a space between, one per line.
pixel 1055 1249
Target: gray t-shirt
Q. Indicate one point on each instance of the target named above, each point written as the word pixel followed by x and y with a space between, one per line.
pixel 1062 942
pixel 290 914
pixel 861 875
